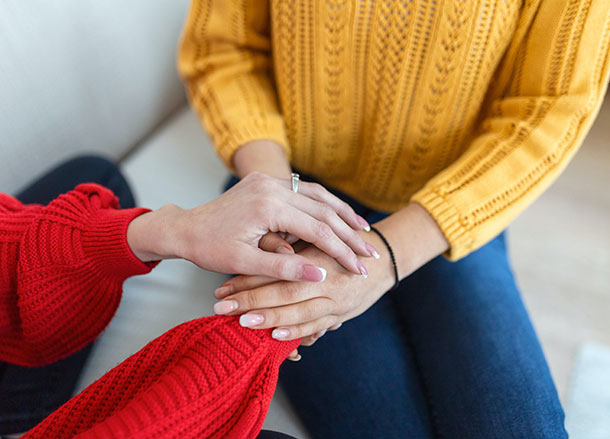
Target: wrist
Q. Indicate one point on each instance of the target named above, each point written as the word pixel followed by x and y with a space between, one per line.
pixel 154 235
pixel 415 238
pixel 265 156
pixel 380 269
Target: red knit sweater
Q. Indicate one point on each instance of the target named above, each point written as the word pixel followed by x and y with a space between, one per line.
pixel 61 274
pixel 62 268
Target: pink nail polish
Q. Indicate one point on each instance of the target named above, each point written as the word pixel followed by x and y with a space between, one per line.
pixel 364 223
pixel 280 333
pixel 362 269
pixel 313 273
pixel 372 250
pixel 225 307
pixel 249 320
pixel 223 291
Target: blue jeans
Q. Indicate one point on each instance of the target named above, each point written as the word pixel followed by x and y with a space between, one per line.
pixel 29 394
pixel 451 353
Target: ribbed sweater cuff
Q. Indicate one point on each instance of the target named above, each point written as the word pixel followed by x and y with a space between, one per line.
pixel 447 216
pixel 104 241
pixel 246 133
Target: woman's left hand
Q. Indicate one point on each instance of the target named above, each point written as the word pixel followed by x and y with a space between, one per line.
pixel 302 309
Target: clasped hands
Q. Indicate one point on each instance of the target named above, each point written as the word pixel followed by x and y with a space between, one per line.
pixel 249 230
pixel 306 310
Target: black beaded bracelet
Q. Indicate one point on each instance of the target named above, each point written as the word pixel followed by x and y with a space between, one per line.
pixel 387 244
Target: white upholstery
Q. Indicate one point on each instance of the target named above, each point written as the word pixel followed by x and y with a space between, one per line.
pixel 81 76
pixel 176 165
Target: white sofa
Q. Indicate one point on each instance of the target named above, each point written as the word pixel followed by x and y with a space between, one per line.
pixel 84 76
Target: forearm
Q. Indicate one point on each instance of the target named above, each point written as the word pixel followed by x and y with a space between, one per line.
pixel 265 156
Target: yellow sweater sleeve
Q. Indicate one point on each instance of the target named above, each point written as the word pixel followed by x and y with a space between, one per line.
pixel 549 89
pixel 225 60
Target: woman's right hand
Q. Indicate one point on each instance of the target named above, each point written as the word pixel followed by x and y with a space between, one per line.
pixel 224 235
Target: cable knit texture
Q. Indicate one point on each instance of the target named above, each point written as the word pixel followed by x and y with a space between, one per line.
pixel 207 378
pixel 62 269
pixel 470 108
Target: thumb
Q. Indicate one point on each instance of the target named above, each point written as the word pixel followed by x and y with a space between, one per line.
pixel 273 242
pixel 291 267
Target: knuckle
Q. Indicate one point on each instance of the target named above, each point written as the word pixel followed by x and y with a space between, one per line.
pixel 318 189
pixel 326 212
pixel 324 231
pixel 279 268
pixel 275 317
pixel 250 300
pixel 289 291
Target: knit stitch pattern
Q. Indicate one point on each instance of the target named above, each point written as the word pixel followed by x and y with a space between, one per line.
pixel 207 378
pixel 62 268
pixel 470 108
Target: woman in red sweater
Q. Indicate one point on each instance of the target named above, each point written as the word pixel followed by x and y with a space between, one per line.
pixel 66 248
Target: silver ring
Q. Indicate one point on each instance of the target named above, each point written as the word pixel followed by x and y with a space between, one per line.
pixel 295 182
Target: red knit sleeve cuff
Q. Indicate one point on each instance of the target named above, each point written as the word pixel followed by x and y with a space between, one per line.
pixel 104 241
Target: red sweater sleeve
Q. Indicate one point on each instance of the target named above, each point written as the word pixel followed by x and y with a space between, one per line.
pixel 62 268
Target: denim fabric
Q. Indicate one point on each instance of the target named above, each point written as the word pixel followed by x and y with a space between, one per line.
pixel 29 394
pixel 450 353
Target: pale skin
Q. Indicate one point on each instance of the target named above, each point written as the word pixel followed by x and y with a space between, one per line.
pixel 305 310
pixel 243 231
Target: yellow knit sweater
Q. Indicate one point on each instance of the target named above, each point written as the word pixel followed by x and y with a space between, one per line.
pixel 470 108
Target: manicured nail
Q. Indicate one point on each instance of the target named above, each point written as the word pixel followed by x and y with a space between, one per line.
pixel 280 333
pixel 225 307
pixel 313 273
pixel 334 328
pixel 372 250
pixel 297 358
pixel 249 320
pixel 223 291
pixel 362 269
pixel 364 223
pixel 320 333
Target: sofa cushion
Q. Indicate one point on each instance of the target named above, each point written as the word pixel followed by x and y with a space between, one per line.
pixel 83 76
pixel 177 165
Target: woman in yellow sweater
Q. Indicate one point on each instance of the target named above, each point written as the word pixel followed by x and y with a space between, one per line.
pixel 440 121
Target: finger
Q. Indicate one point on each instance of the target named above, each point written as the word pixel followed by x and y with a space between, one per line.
pixel 317 192
pixel 280 294
pixel 335 327
pixel 315 329
pixel 254 261
pixel 291 239
pixel 319 234
pixel 308 341
pixel 273 242
pixel 326 214
pixel 242 283
pixel 290 315
pixel 294 355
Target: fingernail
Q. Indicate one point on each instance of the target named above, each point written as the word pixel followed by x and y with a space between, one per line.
pixel 225 307
pixel 280 333
pixel 364 223
pixel 284 249
pixel 297 358
pixel 223 291
pixel 313 273
pixel 372 250
pixel 337 326
pixel 362 269
pixel 249 320
pixel 320 333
